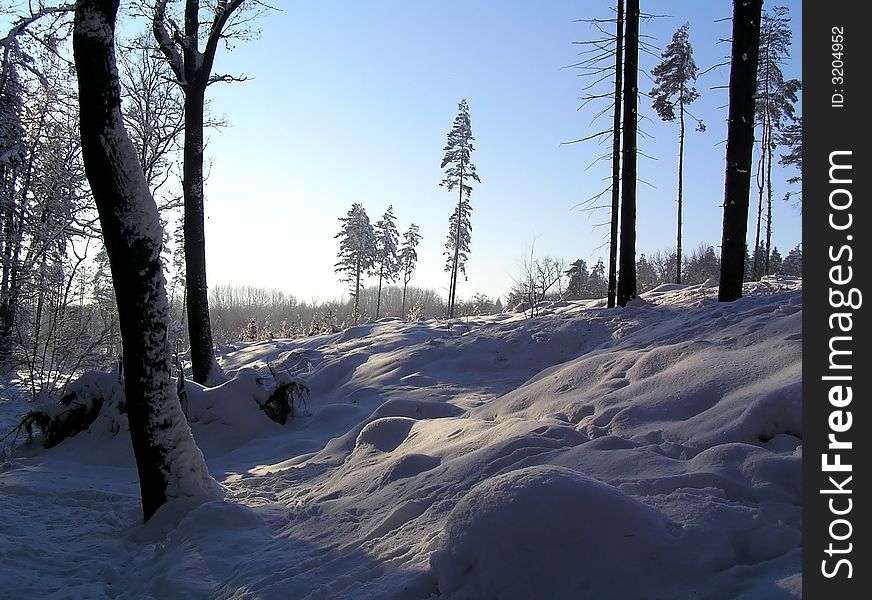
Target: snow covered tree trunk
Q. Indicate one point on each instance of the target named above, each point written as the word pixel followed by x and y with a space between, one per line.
pixel 169 463
pixel 627 267
pixel 204 369
pixel 740 145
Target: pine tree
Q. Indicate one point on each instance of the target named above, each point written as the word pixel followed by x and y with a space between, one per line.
pixel 459 171
pixel 792 264
pixel 386 263
pixel 673 79
pixel 791 138
pixel 774 111
pixel 740 145
pixel 627 259
pixel 597 284
pixel 776 263
pixel 578 276
pixel 647 276
pixel 356 251
pixel 408 260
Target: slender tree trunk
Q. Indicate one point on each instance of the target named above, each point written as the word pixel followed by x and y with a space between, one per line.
pixel 204 369
pixel 740 145
pixel 357 291
pixel 616 156
pixel 627 276
pixel 403 309
pixel 378 298
pixel 680 188
pixel 769 148
pixel 168 461
pixel 760 188
pixel 453 291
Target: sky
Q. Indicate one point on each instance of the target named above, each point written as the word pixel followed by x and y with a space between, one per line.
pixel 351 102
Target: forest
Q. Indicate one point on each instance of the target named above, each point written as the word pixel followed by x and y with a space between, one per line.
pixel 413 437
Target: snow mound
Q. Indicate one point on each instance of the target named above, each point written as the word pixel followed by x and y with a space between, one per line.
pixel 549 532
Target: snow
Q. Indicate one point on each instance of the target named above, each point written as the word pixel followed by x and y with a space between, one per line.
pixel 649 451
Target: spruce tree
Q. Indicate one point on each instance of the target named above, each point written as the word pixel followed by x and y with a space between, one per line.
pixel 459 171
pixel 356 251
pixel 408 260
pixel 386 262
pixel 673 89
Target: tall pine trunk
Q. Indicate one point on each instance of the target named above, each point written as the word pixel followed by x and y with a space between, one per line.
pixel 168 461
pixel 680 187
pixel 769 152
pixel 740 145
pixel 403 309
pixel 378 298
pixel 203 366
pixel 627 275
pixel 616 156
pixel 453 290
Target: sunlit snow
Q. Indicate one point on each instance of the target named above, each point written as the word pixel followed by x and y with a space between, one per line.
pixel 652 451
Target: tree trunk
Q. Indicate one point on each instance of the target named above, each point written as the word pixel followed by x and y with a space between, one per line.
pixel 168 461
pixel 378 297
pixel 740 145
pixel 403 309
pixel 627 276
pixel 680 187
pixel 616 156
pixel 769 149
pixel 755 274
pixel 453 291
pixel 356 314
pixel 204 369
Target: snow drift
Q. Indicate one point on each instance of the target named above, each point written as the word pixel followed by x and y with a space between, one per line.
pixel 646 452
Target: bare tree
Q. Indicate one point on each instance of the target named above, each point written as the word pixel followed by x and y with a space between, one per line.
pixel 168 461
pixel 192 68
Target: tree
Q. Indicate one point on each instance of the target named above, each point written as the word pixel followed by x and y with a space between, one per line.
pixel 627 259
pixel 168 461
pixel 673 80
pixel 702 265
pixel 597 284
pixel 192 69
pixel 616 159
pixel 740 144
pixel 774 110
pixel 459 171
pixel 646 274
pixel 356 251
pixel 776 263
pixel 408 260
pixel 600 61
pixel 793 262
pixel 578 276
pixel 386 263
pixel 791 138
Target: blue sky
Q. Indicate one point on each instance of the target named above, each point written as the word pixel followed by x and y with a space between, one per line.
pixel 351 102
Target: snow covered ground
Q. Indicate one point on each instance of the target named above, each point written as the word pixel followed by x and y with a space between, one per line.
pixel 646 452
